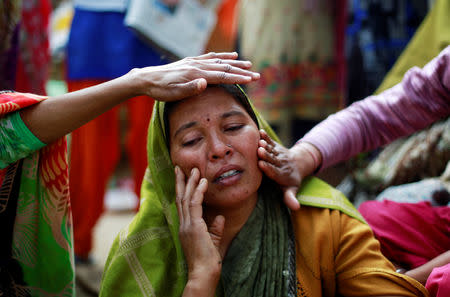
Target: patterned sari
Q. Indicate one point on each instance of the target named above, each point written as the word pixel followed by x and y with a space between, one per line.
pixel 36 233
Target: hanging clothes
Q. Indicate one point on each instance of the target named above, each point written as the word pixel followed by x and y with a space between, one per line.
pixel 297 46
pixel 33 63
pixel 9 47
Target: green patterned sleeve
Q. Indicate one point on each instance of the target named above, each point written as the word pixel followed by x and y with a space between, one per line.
pixel 16 140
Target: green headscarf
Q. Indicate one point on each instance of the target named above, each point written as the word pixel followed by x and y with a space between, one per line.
pixel 146 258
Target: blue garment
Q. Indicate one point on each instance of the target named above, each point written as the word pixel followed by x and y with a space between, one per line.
pixel 101 47
pixel 377 33
pixel 102 5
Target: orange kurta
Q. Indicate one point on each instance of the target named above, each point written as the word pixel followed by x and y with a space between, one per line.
pixel 352 266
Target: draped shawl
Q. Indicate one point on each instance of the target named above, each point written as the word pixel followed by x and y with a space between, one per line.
pixel 36 225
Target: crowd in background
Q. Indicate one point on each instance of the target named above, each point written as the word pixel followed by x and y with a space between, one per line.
pixel 315 57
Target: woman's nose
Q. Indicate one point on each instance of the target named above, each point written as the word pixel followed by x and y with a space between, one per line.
pixel 219 149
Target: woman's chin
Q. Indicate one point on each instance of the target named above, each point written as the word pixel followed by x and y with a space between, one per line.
pixel 229 199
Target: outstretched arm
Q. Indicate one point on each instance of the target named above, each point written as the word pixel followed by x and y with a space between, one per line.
pixel 422 98
pixel 57 116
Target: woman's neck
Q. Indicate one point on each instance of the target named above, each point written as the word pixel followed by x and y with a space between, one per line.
pixel 235 219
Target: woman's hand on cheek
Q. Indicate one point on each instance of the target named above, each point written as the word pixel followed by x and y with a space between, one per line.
pixel 190 76
pixel 278 163
pixel 200 243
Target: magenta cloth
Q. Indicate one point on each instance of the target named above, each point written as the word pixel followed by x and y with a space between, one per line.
pixel 422 98
pixel 410 234
pixel 438 283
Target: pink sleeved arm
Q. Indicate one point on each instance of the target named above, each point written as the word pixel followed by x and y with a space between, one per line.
pixel 422 98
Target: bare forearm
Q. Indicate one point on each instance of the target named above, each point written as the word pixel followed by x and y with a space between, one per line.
pixel 60 115
pixel 422 273
pixel 55 117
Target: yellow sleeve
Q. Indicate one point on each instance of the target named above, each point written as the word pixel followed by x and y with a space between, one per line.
pixel 361 269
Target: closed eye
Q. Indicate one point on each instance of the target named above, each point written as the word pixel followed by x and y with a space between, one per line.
pixel 191 142
pixel 234 127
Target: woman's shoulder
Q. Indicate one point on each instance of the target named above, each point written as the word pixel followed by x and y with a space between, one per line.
pixel 316 193
pixel 325 215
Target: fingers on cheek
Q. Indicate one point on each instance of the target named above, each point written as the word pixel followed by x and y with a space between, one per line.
pixel 265 136
pixel 261 164
pixel 262 152
pixel 179 185
pixel 264 166
pixel 268 156
pixel 262 143
pixel 199 192
pixel 203 185
pixel 193 177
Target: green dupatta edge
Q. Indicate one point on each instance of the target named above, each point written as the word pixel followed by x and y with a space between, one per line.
pixel 146 258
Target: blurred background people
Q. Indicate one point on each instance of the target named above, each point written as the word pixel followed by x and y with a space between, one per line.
pixel 24 55
pixel 298 47
pixel 315 58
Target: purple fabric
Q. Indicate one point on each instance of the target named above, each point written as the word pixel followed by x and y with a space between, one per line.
pixel 422 98
pixel 8 63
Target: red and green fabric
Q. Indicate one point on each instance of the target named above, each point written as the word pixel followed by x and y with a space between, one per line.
pixel 36 250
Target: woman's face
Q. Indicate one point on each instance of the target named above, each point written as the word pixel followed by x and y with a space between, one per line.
pixel 214 133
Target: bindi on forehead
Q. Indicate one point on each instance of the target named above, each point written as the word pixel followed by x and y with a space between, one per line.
pixel 207 119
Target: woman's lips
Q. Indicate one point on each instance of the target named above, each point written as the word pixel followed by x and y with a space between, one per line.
pixel 228 174
pixel 229 177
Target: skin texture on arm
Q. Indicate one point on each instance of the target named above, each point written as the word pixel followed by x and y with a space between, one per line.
pixel 57 116
pixel 422 272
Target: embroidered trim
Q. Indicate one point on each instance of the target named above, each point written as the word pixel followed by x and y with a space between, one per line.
pixel 139 275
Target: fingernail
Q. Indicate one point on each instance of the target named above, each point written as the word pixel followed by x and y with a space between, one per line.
pixel 203 181
pixel 256 75
pixel 176 169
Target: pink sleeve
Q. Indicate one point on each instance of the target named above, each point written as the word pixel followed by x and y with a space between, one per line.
pixel 438 283
pixel 422 98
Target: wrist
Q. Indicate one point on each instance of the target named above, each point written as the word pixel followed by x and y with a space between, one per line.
pixel 307 157
pixel 136 82
pixel 201 284
pixel 210 273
